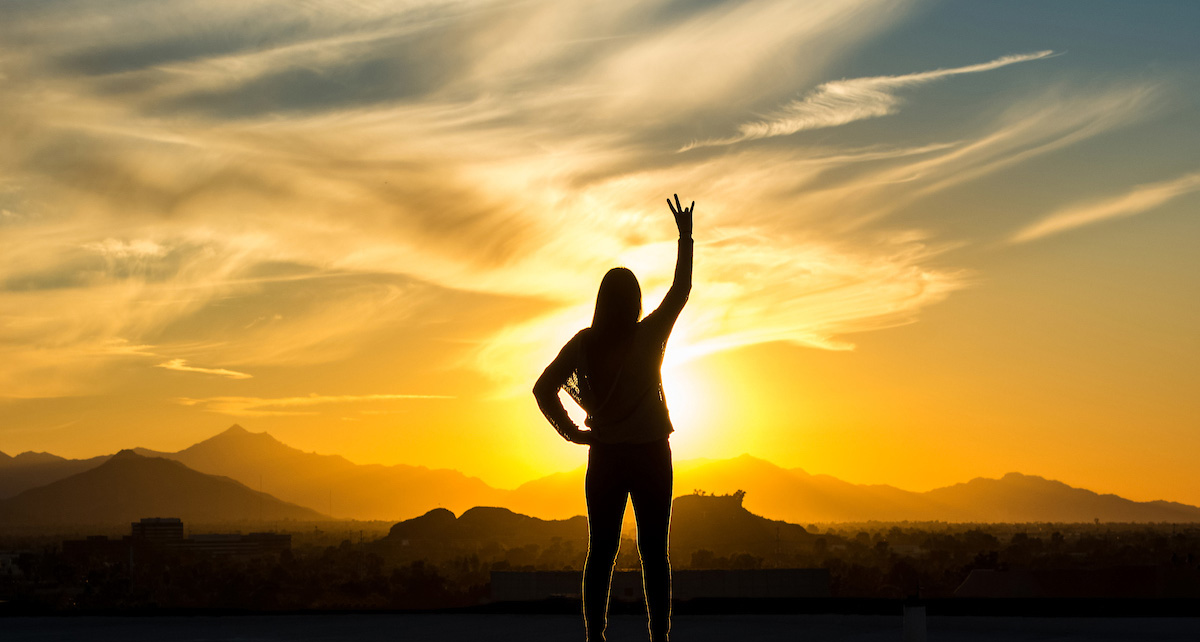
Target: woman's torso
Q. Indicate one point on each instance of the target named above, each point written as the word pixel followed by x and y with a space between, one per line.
pixel 625 402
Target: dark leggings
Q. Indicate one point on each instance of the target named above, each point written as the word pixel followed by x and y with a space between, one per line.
pixel 615 472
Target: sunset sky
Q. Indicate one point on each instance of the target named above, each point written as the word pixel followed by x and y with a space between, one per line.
pixel 934 240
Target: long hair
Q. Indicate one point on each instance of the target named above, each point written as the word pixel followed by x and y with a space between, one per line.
pixel 618 304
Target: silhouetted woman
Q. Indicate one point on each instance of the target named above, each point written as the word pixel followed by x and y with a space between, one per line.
pixel 613 371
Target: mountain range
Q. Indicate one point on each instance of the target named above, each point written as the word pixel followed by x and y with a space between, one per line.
pixel 128 486
pixel 799 497
pixel 332 485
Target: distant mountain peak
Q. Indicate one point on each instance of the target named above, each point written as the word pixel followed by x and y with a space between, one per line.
pixel 30 457
pixel 1023 478
pixel 745 460
pixel 236 430
pixel 488 512
pixel 237 434
pixel 127 453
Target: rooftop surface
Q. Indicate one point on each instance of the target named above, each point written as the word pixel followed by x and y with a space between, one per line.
pixel 506 627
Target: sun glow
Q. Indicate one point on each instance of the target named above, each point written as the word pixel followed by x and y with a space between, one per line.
pixel 693 400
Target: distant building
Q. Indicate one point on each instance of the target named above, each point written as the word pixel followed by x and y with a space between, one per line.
pixel 525 586
pixel 250 545
pixel 10 566
pixel 164 536
pixel 158 529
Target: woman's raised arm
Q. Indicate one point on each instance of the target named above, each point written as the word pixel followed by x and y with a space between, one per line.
pixel 681 285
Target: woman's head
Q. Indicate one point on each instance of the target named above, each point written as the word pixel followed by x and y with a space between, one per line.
pixel 619 301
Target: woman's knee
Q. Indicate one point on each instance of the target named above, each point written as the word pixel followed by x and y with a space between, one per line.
pixel 654 552
pixel 604 548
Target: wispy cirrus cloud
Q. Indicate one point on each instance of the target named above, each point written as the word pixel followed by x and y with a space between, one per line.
pixel 282 406
pixel 1141 198
pixel 844 101
pixel 206 147
pixel 181 365
pixel 265 187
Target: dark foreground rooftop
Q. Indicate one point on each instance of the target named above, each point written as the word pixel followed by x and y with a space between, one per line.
pixel 506 627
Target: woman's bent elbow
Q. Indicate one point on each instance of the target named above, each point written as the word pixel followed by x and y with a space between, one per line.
pixel 543 389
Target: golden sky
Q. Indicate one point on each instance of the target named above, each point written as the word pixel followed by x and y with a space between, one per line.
pixel 934 240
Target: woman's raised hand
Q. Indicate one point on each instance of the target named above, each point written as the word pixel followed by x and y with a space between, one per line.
pixel 683 216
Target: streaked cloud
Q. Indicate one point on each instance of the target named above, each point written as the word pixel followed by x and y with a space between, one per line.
pixel 124 348
pixel 283 406
pixel 181 365
pixel 1044 123
pixel 207 153
pixel 264 185
pixel 1141 198
pixel 124 249
pixel 844 101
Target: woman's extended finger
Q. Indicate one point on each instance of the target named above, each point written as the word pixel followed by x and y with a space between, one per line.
pixel 677 205
pixel 692 208
pixel 672 207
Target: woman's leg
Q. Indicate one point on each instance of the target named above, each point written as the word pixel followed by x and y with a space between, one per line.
pixel 651 492
pixel 606 497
